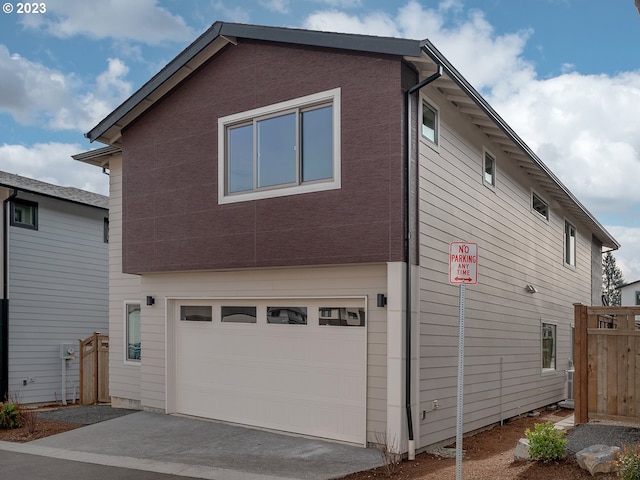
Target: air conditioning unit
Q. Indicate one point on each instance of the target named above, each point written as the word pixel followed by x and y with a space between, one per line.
pixel 569 402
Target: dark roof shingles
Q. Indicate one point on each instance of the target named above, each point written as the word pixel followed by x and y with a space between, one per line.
pixel 71 194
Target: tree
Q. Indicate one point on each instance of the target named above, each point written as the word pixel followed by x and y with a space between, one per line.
pixel 611 280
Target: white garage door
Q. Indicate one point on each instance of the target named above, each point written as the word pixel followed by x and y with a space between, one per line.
pixel 292 365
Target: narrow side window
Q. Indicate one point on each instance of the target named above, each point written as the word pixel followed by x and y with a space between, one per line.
pixel 548 346
pixel 569 244
pixel 429 123
pixel 133 332
pixel 105 231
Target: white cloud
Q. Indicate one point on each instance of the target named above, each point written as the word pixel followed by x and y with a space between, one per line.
pixel 34 94
pixel 342 3
pixel 470 37
pixel 279 6
pixel 140 20
pixel 627 256
pixel 54 164
pixel 235 14
pixel 584 127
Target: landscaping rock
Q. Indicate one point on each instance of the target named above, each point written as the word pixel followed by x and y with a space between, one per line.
pixel 522 450
pixel 598 458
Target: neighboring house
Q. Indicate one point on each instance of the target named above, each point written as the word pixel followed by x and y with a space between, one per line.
pixel 262 219
pixel 630 294
pixel 55 285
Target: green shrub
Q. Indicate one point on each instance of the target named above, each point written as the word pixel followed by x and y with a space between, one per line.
pixel 9 415
pixel 546 442
pixel 628 463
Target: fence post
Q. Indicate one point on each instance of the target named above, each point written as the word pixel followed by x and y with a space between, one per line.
pixel 580 364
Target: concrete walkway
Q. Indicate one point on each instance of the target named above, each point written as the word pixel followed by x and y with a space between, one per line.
pixel 566 423
pixel 201 449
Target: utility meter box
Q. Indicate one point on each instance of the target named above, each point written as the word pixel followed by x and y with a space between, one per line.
pixel 68 351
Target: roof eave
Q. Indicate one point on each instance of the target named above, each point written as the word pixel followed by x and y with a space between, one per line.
pixel 99 157
pixel 108 130
pixel 598 230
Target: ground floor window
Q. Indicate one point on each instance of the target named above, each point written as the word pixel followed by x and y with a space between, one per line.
pixel 548 346
pixel 133 332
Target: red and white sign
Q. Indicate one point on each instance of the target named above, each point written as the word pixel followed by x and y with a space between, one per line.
pixel 463 263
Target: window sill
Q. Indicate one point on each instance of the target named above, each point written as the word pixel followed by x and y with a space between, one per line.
pixel 279 192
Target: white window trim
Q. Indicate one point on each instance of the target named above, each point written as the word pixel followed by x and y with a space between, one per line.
pixel 332 96
pixel 555 345
pixel 485 152
pixel 535 212
pixel 125 349
pixel 436 143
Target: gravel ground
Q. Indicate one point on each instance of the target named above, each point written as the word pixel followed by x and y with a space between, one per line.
pixel 85 414
pixel 585 435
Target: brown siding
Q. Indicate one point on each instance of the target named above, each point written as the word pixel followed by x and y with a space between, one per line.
pixel 172 220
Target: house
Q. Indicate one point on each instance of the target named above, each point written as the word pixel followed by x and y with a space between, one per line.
pixel 630 294
pixel 269 173
pixel 55 286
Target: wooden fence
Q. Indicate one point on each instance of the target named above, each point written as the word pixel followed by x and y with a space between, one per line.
pixel 607 364
pixel 94 369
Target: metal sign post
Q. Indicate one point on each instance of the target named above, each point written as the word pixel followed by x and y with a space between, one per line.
pixel 460 385
pixel 463 270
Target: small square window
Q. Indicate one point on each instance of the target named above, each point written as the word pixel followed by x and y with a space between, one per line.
pixel 287 315
pixel 341 316
pixel 489 172
pixel 429 123
pixel 24 214
pixel 569 244
pixel 548 346
pixel 238 314
pixel 540 206
pixel 196 313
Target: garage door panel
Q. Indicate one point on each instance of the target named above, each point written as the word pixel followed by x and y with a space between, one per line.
pixel 271 410
pixel 307 379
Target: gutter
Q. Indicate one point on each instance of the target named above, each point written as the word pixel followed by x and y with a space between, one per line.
pixel 408 255
pixel 4 314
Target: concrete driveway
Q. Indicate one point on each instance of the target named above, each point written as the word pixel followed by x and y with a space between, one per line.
pixel 202 449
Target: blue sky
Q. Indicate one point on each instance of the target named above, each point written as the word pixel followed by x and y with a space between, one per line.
pixel 565 74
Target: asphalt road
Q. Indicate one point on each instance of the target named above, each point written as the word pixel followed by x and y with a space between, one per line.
pixel 18 466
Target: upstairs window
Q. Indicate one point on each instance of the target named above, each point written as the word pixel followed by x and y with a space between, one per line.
pixel 540 206
pixel 288 148
pixel 24 214
pixel 569 244
pixel 429 123
pixel 489 172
